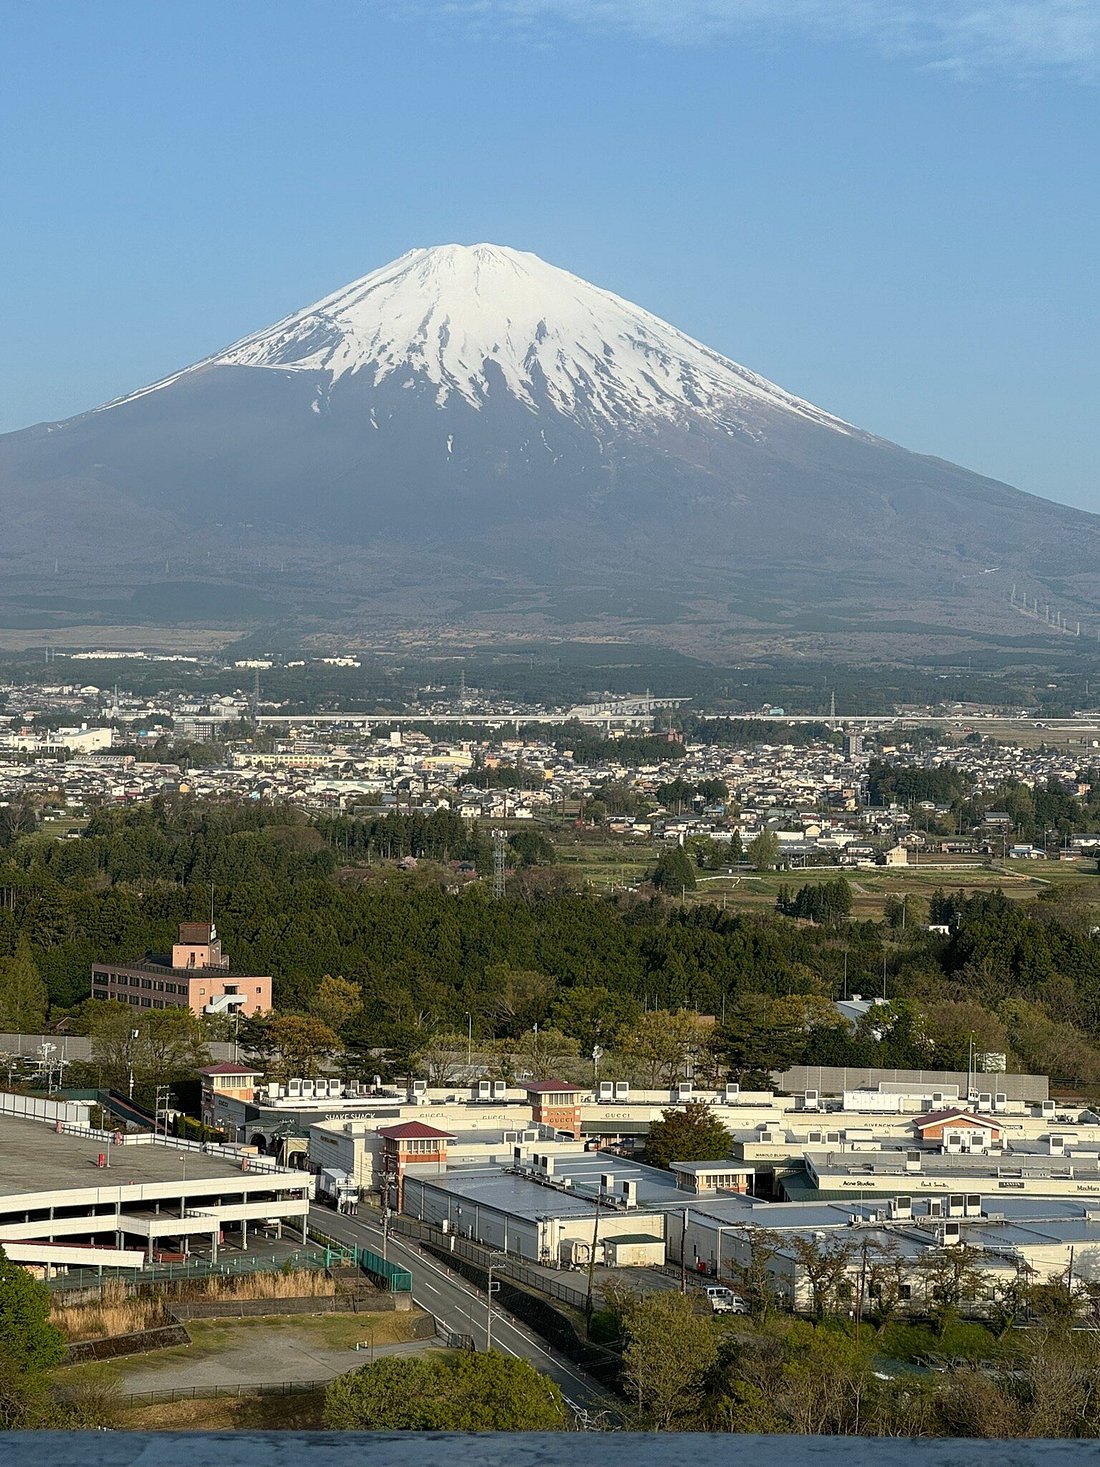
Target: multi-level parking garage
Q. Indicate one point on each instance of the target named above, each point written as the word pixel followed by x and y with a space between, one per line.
pixel 70 1197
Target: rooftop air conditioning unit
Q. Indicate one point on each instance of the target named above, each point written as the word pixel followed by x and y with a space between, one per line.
pixel 732 1092
pixel 1047 1107
pixel 607 1090
pixel 500 1089
pixel 335 1088
pixel 813 1138
pixel 307 1088
pixel 901 1207
pixel 320 1089
pixel 937 1098
pixel 952 1232
pixel 912 1161
pixel 622 1090
pixel 684 1090
pixel 293 1089
pixel 484 1090
pixel 630 1194
pixel 1000 1100
pixel 935 1207
pixel 973 1205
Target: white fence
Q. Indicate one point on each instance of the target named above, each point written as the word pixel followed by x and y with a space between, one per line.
pixel 36 1108
pixel 174 1143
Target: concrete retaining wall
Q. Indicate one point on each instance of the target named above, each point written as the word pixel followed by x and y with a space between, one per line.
pixel 139 1342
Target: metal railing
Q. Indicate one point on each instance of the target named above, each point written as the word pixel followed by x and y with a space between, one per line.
pixel 204 1268
pixel 217 1392
pixel 475 1253
pixel 179 1143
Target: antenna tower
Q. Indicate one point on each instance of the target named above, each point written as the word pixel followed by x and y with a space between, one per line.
pixel 499 838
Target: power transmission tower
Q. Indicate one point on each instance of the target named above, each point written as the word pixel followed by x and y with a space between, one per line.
pixel 499 838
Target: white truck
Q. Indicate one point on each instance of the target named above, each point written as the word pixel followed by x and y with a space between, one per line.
pixel 725 1301
pixel 336 1189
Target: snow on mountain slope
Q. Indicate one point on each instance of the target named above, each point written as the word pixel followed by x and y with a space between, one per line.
pixel 445 314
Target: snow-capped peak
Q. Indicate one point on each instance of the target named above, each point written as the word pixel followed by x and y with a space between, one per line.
pixel 445 314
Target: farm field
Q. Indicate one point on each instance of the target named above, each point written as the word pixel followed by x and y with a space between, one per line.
pixel 608 865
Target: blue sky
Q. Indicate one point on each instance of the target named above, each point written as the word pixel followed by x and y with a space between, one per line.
pixel 890 207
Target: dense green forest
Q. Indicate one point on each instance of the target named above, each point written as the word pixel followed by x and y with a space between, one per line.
pixel 426 955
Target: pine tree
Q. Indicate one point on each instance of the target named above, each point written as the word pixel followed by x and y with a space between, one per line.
pixel 23 995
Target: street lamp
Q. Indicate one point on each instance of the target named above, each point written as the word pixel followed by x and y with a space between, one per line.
pixel 597 1055
pixel 133 1035
pixel 469 1040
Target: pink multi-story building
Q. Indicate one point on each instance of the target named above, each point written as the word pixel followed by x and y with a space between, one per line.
pixel 195 975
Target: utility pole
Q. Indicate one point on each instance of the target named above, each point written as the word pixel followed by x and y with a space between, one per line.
pixel 592 1258
pixel 683 1252
pixel 493 1288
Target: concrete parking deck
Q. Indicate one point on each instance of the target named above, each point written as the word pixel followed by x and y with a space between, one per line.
pixel 34 1158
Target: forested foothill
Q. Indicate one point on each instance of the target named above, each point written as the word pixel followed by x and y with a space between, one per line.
pixel 412 962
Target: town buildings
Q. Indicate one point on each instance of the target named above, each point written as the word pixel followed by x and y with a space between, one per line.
pixel 195 975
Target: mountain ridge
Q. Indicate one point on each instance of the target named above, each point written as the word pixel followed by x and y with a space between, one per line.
pixel 423 310
pixel 477 411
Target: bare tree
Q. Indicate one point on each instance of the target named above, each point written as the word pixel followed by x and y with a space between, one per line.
pixel 825 1266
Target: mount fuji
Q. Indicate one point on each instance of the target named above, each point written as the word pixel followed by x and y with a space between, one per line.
pixel 471 433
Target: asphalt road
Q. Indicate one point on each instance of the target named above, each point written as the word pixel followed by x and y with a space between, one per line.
pixel 462 1308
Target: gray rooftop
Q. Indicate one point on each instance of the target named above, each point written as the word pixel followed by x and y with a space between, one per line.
pixel 521 1197
pixel 34 1158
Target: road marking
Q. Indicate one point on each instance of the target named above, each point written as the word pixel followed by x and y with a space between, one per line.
pixel 477 1296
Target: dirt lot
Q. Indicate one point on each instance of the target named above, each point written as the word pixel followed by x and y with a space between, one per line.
pixel 266 1350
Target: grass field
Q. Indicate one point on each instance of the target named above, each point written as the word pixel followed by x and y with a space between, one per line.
pixel 1019 880
pixel 604 862
pixel 607 865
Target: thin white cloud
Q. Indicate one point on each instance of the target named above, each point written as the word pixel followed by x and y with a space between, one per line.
pixel 1023 36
